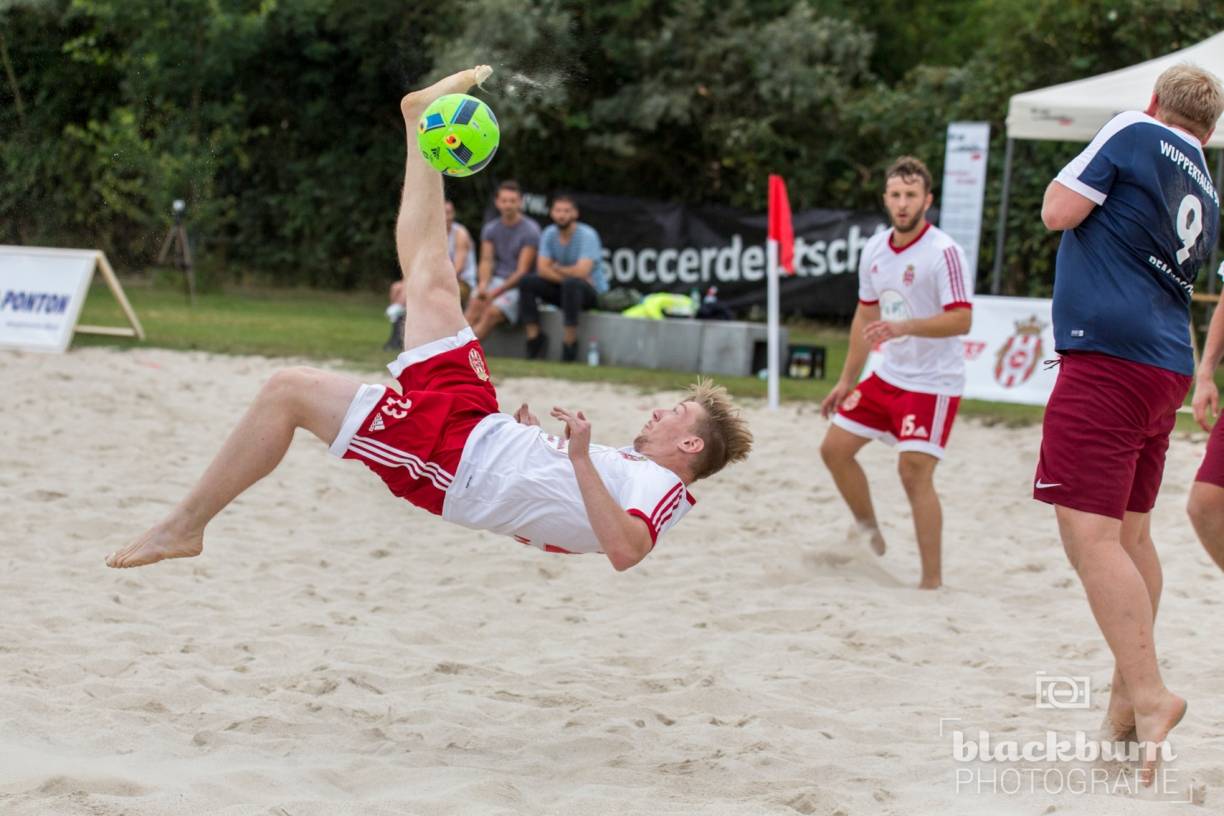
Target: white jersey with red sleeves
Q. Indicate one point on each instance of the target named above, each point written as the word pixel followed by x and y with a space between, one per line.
pixel 518 480
pixel 925 277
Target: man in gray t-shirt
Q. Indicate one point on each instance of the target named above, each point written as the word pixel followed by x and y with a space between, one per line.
pixel 507 253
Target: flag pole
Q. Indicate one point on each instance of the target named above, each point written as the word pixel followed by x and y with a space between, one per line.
pixel 771 250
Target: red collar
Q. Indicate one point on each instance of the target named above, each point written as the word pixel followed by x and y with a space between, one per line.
pixel 910 244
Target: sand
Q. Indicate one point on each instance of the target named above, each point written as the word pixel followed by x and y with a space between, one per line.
pixel 336 651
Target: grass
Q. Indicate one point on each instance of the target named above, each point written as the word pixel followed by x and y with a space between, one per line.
pixel 350 327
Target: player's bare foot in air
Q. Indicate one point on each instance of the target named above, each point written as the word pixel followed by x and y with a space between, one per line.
pixel 1152 728
pixel 159 543
pixel 413 104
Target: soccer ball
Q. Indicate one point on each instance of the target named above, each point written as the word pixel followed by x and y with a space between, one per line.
pixel 458 135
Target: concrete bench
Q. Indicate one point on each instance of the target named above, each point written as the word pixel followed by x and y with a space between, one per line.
pixel 679 344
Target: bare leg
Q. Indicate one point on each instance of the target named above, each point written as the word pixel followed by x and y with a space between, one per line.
pixel 838 451
pixel 1122 605
pixel 292 398
pixel 1137 541
pixel 1206 509
pixel 917 471
pixel 430 287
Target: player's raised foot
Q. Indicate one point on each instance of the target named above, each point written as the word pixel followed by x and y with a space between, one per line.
pixel 1119 722
pixel 159 543
pixel 868 535
pixel 414 104
pixel 1152 728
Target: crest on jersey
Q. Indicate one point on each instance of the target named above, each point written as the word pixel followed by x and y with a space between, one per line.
pixel 478 364
pixel 908 277
pixel 851 402
pixel 875 268
pixel 1017 359
pixel 632 457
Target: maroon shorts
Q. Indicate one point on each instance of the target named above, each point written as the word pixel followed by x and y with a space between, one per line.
pixel 1105 434
pixel 1212 469
pixel 414 438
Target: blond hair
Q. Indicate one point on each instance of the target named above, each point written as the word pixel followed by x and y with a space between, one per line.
pixel 725 433
pixel 1189 97
pixel 908 168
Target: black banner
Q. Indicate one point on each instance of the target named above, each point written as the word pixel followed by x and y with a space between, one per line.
pixel 655 246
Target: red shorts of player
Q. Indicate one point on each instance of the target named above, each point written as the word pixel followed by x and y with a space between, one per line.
pixel 911 420
pixel 1105 434
pixel 1212 469
pixel 414 438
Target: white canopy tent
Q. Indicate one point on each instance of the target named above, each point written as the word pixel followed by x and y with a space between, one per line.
pixel 1075 111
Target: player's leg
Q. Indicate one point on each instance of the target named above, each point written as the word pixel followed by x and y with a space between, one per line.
pixel 293 398
pixel 1137 541
pixel 1206 509
pixel 1121 603
pixel 917 471
pixel 431 289
pixel 839 451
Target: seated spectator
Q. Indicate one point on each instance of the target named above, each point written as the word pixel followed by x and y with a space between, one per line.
pixel 507 254
pixel 569 274
pixel 462 255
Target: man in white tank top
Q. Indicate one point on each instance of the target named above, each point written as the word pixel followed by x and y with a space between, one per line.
pixel 440 442
pixel 916 299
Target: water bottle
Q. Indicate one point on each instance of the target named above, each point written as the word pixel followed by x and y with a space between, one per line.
pixel 592 353
pixel 695 297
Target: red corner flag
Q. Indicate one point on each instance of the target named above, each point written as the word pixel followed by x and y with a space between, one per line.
pixel 780 228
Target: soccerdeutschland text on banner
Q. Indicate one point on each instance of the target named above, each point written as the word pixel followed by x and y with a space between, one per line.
pixel 1005 351
pixel 658 246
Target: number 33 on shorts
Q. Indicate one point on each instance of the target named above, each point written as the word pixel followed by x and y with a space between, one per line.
pixel 397 408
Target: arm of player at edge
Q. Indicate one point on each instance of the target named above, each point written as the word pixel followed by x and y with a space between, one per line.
pixel 856 357
pixel 1206 402
pixel 1063 208
pixel 625 539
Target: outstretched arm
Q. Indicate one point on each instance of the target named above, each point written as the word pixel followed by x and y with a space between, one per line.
pixel 625 539
pixel 1206 401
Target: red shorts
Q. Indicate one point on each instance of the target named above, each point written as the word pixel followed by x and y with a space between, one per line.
pixel 911 420
pixel 1105 434
pixel 1212 469
pixel 414 438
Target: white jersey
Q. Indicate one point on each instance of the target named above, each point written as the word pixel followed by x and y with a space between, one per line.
pixel 518 480
pixel 922 279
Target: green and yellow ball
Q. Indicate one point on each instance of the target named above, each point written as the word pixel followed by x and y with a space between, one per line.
pixel 458 135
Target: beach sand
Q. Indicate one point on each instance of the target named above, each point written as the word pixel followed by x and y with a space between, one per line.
pixel 337 651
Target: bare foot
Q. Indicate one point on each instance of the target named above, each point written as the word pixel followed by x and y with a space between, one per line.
pixel 1152 728
pixel 1119 723
pixel 930 583
pixel 866 532
pixel 414 103
pixel 159 543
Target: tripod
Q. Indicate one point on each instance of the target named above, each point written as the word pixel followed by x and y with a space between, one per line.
pixel 176 239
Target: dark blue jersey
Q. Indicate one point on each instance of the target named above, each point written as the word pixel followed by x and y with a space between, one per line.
pixel 1124 276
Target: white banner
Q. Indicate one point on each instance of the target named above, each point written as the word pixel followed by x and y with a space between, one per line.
pixel 1005 350
pixel 964 185
pixel 41 294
